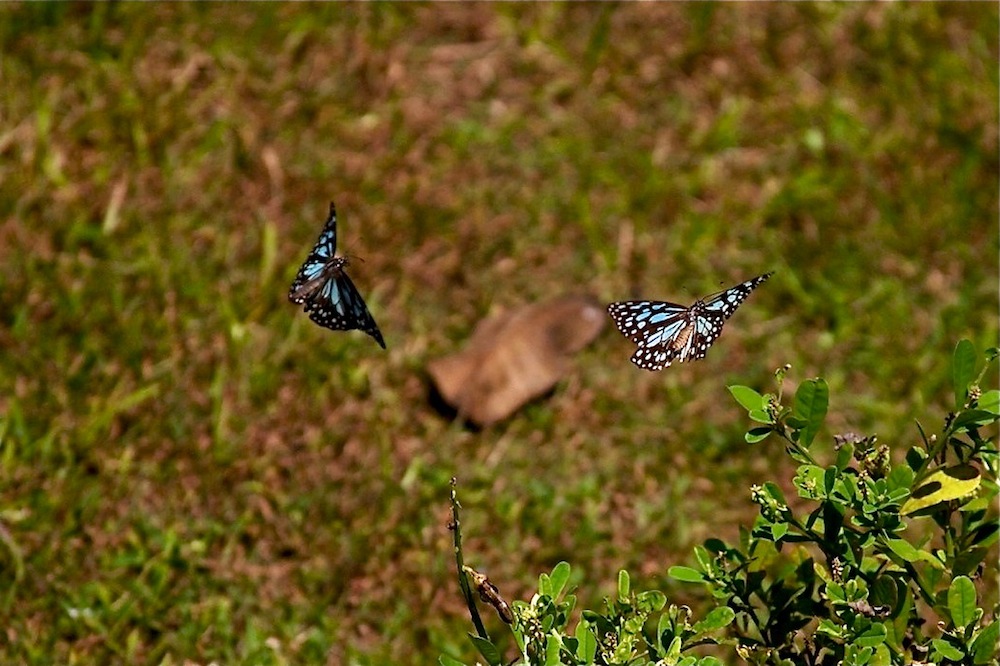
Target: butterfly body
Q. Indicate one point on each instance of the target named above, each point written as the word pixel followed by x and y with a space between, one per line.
pixel 329 296
pixel 668 332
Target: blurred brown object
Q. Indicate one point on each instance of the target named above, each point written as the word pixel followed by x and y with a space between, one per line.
pixel 515 357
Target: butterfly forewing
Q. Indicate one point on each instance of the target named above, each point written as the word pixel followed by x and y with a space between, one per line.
pixel 666 332
pixel 636 319
pixel 330 298
pixel 322 253
pixel 726 302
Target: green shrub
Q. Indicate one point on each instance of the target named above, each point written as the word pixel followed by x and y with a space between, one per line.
pixel 875 562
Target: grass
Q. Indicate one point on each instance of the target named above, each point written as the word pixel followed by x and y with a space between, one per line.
pixel 192 470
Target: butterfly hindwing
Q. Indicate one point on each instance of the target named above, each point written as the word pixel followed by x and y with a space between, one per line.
pixel 339 307
pixel 667 332
pixel 330 298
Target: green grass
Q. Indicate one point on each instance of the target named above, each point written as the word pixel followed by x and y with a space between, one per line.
pixel 191 469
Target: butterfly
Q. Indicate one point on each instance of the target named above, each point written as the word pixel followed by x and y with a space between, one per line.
pixel 667 332
pixel 331 299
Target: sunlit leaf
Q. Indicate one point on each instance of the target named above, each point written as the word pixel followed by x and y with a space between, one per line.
pixel 747 397
pixel 558 578
pixel 974 417
pixel 872 636
pixel 587 642
pixel 716 619
pixel 623 585
pixel 947 650
pixel 990 401
pixel 943 486
pixel 686 574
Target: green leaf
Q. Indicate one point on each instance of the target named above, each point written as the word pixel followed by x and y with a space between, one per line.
pixel 811 402
pixel 990 402
pixel 709 661
pixel 974 418
pixel 942 486
pixel 872 636
pixel 544 585
pixel 962 601
pixel 775 492
pixel 718 618
pixel 445 660
pixel 844 456
pixel 486 648
pixel 558 578
pixel 747 397
pixel 623 585
pixel 796 422
pixel 686 574
pixel 986 535
pixel 947 650
pixel 587 642
pixel 904 549
pixel 985 644
pixel 882 656
pixel 778 530
pixel 901 476
pixel 830 628
pixel 963 370
pixel 755 435
pixel 674 650
pixel 552 651
pixel 651 601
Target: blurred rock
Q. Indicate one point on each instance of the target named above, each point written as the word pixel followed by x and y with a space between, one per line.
pixel 515 357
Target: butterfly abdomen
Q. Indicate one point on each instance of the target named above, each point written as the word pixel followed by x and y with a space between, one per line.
pixel 682 338
pixel 331 270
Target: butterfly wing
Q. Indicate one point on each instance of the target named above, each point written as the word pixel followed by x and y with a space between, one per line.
pixel 666 332
pixel 642 320
pixel 322 253
pixel 724 304
pixel 337 305
pixel 656 326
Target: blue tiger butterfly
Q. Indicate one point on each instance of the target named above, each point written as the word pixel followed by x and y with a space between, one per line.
pixel 667 332
pixel 330 298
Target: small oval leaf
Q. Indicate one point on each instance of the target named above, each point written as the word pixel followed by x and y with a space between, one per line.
pixel 686 574
pixel 990 402
pixel 747 397
pixel 718 618
pixel 811 402
pixel 623 585
pixel 947 650
pixel 558 578
pixel 962 601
